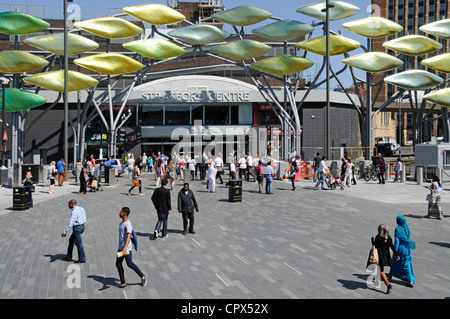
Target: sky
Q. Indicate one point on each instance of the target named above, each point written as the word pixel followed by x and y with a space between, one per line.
pixel 286 10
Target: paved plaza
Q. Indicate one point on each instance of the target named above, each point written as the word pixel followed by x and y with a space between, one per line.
pixel 297 244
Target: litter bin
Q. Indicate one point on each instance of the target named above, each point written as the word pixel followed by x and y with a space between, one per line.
pixel 34 169
pixel 21 198
pixel 235 191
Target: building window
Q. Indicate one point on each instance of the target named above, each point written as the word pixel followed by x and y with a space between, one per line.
pixel 217 115
pixel 177 114
pixel 151 115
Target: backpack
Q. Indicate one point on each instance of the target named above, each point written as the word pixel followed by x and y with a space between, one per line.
pixel 134 239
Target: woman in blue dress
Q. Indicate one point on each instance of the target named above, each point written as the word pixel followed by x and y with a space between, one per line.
pixel 402 268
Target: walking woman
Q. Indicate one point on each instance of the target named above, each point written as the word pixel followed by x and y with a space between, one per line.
pixel 137 177
pixel 83 180
pixel 402 269
pixel 383 242
pixel 51 174
pixel 171 173
pixel 434 204
pixel 268 174
pixel 212 171
pixel 381 170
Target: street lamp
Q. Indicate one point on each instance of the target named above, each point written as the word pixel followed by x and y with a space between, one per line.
pixel 327 8
pixel 66 85
pixel 4 82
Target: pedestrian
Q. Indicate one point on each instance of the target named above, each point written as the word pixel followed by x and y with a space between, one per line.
pixel 171 172
pixel 137 178
pixel 83 180
pixel 76 223
pixel 348 172
pixel 91 163
pixel 191 166
pixel 398 170
pixel 381 170
pixel 242 166
pixel 160 172
pixel 322 171
pixel 186 205
pixel 317 160
pixel 249 167
pixel 130 163
pixel 163 206
pixel 144 162
pixel 28 184
pixel 233 169
pixel 268 174
pixel 212 171
pixel 51 174
pixel 343 168
pixel 295 163
pixel 203 165
pixel 402 269
pixel 125 249
pixel 260 169
pixel 383 242
pixel 219 166
pixel 434 199
pixel 60 166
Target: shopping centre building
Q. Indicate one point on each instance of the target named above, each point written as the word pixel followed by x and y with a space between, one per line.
pixel 194 101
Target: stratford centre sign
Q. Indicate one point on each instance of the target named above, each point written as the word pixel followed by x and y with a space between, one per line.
pixel 197 96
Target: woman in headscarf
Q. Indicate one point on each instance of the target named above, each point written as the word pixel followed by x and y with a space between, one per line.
pixel 402 269
pixel 212 171
pixel 383 242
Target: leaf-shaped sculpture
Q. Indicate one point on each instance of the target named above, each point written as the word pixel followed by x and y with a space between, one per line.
pixel 284 30
pixel 282 64
pixel 16 62
pixel 338 45
pixel 54 43
pixel 16 23
pixel 413 45
pixel 373 27
pixel 441 97
pixel 20 100
pixel 155 14
pixel 241 49
pixel 373 62
pixel 340 10
pixel 156 49
pixel 439 28
pixel 109 63
pixel 110 27
pixel 414 80
pixel 199 34
pixel 242 15
pixel 440 62
pixel 54 81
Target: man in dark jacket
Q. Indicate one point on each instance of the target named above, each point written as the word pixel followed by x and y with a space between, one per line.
pixel 186 205
pixel 161 201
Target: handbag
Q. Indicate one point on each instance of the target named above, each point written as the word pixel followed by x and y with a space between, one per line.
pixel 431 198
pixel 94 184
pixel 373 255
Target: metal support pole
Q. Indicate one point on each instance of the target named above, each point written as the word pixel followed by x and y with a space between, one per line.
pixel 66 85
pixel 328 116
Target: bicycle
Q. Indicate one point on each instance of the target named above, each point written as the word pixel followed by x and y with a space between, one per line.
pixel 370 173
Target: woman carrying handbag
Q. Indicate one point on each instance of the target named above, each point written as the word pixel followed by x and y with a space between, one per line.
pixel 383 242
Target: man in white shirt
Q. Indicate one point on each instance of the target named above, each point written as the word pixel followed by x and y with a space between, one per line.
pixel 249 166
pixel 242 166
pixel 219 166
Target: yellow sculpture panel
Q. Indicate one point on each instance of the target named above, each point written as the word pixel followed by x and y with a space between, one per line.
pixel 54 81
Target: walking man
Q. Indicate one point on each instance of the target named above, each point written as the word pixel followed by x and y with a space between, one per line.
pixel 125 249
pixel 161 201
pixel 76 222
pixel 186 205
pixel 60 166
pixel 323 170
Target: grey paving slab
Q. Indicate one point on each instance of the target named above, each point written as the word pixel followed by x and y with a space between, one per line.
pixel 297 244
